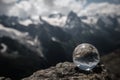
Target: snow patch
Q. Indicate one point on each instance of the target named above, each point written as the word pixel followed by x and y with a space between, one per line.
pixel 55 21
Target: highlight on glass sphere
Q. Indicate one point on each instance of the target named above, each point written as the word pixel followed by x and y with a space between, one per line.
pixel 86 56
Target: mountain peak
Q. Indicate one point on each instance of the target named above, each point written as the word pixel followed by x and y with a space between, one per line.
pixel 72 19
pixel 72 16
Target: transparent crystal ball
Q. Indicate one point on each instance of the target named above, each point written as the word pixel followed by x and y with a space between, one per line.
pixel 86 56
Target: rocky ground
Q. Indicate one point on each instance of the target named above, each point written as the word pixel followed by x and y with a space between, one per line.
pixel 67 71
pixel 4 78
pixel 112 62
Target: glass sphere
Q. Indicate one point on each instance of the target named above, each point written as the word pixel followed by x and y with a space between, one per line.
pixel 86 56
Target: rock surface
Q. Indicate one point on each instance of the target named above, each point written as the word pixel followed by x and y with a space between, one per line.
pixel 112 63
pixel 67 71
pixel 4 78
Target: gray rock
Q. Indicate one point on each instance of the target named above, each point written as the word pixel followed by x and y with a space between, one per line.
pixel 4 78
pixel 68 71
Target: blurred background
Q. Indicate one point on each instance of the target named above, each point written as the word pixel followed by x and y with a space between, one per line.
pixel 37 34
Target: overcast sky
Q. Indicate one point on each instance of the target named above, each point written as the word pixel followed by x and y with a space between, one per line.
pixel 25 8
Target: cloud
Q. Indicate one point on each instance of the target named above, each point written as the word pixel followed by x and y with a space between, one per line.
pixel 49 3
pixel 5 5
pixel 101 8
pixel 25 8
pixel 101 1
pixel 7 1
